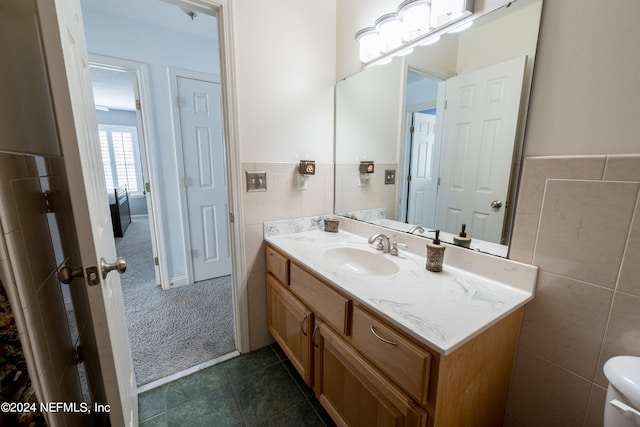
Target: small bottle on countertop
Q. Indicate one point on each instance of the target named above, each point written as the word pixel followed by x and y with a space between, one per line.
pixel 462 239
pixel 435 254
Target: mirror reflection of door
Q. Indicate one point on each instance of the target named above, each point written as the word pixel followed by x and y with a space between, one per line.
pixel 423 188
pixel 420 153
pixel 460 163
pixel 479 131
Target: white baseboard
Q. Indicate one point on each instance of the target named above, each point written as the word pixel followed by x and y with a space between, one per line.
pixel 176 282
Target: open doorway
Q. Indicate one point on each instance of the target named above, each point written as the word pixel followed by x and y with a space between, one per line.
pixel 420 151
pixel 173 328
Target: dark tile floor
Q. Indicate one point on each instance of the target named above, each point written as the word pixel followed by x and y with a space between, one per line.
pixel 260 388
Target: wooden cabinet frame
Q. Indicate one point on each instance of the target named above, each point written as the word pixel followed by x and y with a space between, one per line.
pixel 354 377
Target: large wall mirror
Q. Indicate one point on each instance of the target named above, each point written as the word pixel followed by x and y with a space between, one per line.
pixel 443 127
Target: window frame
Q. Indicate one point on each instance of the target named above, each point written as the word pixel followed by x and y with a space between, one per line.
pixel 109 129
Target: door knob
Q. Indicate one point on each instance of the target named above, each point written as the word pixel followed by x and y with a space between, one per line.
pixel 496 204
pixel 66 274
pixel 120 266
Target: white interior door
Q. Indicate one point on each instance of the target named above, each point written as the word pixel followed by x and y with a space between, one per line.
pixel 68 65
pixel 423 171
pixel 205 177
pixel 479 131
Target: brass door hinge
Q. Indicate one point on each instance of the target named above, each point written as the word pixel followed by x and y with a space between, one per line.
pixel 78 354
pixel 156 261
pixel 47 198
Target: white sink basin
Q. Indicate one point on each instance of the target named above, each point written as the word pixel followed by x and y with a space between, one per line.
pixel 360 261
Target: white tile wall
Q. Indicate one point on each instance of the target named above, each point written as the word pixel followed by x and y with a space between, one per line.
pixel 29 275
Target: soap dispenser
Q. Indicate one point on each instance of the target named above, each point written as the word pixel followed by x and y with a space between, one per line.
pixel 462 239
pixel 435 254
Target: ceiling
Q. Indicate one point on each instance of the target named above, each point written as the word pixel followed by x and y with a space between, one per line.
pixel 114 89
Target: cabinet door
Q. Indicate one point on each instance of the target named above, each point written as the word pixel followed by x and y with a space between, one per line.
pixel 353 392
pixel 290 323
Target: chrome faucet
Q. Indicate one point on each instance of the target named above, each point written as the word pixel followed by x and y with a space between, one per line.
pixel 417 228
pixel 383 244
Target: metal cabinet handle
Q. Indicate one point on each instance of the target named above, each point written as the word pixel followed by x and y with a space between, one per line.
pixel 313 335
pixel 373 331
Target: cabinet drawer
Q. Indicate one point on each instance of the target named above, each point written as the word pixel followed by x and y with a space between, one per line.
pixel 278 265
pixel 406 363
pixel 327 303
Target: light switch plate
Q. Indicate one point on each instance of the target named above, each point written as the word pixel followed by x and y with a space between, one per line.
pixel 389 176
pixel 256 181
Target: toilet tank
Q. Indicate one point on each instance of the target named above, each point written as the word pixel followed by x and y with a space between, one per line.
pixel 623 373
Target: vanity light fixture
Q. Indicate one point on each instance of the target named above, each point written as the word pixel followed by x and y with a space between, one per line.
pixel 415 18
pixel 390 28
pixel 305 169
pixel 416 22
pixel 369 40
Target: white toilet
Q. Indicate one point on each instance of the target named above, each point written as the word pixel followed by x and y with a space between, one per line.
pixel 622 407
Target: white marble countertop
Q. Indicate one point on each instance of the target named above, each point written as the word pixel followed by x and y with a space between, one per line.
pixel 442 310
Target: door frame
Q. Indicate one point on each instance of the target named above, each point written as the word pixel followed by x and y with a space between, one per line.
pixel 147 151
pixel 407 140
pixel 222 9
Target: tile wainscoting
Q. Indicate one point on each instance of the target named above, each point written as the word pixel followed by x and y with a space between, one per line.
pixel 577 218
pixel 376 194
pixel 282 200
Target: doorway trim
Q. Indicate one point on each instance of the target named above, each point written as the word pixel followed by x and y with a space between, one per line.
pixel 147 151
pixel 222 9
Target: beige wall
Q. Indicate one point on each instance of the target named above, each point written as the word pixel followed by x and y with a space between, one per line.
pixel 585 86
pixel 285 53
pixel 577 220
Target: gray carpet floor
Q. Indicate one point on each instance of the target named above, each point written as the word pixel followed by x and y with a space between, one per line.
pixel 176 329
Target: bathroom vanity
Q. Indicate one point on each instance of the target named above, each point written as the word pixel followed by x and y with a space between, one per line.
pixel 383 342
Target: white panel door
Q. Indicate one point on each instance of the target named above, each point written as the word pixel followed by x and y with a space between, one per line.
pixel 479 131
pixel 423 171
pixel 68 66
pixel 205 177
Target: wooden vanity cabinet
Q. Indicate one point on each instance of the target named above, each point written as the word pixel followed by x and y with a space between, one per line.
pixel 367 372
pixel 290 321
pixel 353 392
